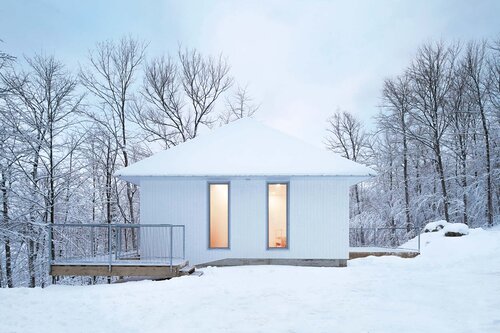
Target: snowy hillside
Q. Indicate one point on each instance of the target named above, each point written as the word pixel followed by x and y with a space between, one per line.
pixel 454 286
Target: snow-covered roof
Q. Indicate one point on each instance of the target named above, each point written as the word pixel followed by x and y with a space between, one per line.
pixel 245 147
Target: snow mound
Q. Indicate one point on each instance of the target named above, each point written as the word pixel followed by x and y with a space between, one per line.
pixel 448 229
pixel 455 230
pixel 438 238
pixel 435 226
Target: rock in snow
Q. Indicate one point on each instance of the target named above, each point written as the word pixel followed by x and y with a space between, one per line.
pixel 455 230
pixel 435 226
pixel 449 229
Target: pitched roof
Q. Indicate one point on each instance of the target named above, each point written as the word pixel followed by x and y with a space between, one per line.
pixel 245 147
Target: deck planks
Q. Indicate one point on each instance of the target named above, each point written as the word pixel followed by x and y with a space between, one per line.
pixel 155 271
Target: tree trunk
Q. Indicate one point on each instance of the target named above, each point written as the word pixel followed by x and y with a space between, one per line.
pixel 5 215
pixel 356 194
pixel 32 220
pixel 392 223
pixel 405 174
pixel 31 257
pixel 440 170
pixel 489 190
pixel 52 196
pixel 464 189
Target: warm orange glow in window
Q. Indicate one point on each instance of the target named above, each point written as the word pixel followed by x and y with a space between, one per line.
pixel 219 215
pixel 277 215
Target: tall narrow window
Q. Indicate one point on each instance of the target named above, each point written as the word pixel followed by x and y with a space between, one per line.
pixel 277 202
pixel 219 215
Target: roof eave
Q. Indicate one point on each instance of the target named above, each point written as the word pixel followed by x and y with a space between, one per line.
pixel 135 179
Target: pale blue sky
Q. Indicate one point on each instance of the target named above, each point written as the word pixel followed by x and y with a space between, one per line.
pixel 301 59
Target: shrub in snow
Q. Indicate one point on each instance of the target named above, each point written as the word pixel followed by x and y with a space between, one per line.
pixel 456 230
pixel 435 226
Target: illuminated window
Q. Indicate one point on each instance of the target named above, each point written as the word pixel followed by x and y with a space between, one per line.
pixel 219 215
pixel 277 211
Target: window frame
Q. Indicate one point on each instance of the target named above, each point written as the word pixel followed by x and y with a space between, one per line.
pixel 228 183
pixel 287 183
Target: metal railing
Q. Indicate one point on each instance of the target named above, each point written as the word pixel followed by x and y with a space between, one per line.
pixel 384 237
pixel 114 244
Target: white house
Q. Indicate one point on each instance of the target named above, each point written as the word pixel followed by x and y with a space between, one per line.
pixel 247 193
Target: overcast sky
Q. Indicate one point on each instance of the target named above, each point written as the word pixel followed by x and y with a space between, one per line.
pixel 301 59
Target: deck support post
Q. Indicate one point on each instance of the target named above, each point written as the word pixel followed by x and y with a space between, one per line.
pixel 109 247
pixel 171 247
pixel 118 242
pixel 183 242
pixel 50 247
pixel 418 231
pixel 92 245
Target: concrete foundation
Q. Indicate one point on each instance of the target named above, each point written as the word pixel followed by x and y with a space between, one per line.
pixel 289 262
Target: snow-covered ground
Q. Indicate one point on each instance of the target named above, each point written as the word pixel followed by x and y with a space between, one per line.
pixel 454 286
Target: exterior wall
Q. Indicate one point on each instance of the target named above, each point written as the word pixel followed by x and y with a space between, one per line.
pixel 318 216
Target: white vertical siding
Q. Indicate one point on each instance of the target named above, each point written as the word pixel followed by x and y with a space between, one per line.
pixel 318 216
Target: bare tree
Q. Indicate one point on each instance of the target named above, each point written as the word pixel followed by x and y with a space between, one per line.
pixel 203 80
pixel 477 84
pixel 239 105
pixel 178 98
pixel 462 131
pixel 40 106
pixel 494 95
pixel 384 149
pixel 432 76
pixel 100 153
pixel 5 58
pixel 347 138
pixel 494 77
pixel 6 162
pixel 397 95
pixel 110 77
pixel 162 116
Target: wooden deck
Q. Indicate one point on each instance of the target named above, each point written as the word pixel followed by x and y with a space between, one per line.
pixel 127 268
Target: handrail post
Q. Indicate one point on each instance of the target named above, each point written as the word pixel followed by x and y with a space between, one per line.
pixel 183 242
pixel 92 241
pixel 138 242
pixel 117 242
pixel 171 247
pixel 418 232
pixel 109 248
pixel 51 258
pixel 50 249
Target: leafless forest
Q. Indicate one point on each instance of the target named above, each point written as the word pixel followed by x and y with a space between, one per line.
pixel 435 145
pixel 64 132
